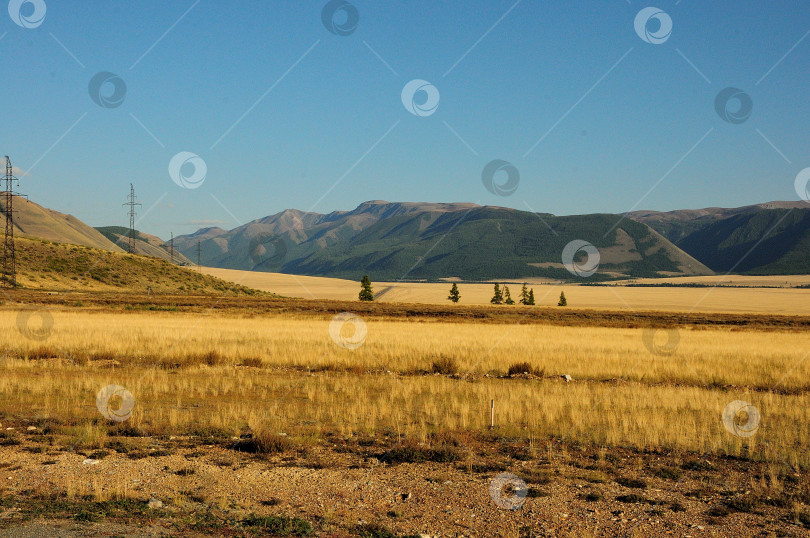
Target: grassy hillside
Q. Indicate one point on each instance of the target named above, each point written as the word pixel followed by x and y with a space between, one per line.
pixel 145 244
pixel 43 264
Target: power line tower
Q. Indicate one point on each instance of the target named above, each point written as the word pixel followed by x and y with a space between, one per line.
pixel 9 276
pixel 198 256
pixel 131 202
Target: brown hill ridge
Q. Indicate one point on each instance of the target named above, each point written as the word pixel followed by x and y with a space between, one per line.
pixel 34 221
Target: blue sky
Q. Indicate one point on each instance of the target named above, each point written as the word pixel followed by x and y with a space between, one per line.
pixel 285 113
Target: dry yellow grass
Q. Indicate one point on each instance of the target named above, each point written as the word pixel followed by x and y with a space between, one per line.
pixel 286 373
pixel 790 301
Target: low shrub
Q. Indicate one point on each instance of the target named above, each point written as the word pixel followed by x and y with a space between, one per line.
pixel 445 365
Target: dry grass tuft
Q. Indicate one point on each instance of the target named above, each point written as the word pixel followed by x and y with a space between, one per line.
pixel 445 365
pixel 264 443
pixel 519 368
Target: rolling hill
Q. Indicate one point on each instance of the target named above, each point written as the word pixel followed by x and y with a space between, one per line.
pixel 49 265
pixel 34 221
pixel 145 244
pixel 422 241
pixel 724 239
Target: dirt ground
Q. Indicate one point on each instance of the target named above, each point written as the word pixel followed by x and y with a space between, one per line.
pixel 364 487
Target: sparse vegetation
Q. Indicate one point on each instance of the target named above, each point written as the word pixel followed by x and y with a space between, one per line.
pixel 507 296
pixel 497 296
pixel 454 293
pixel 524 368
pixel 263 443
pixel 445 365
pixel 632 482
pixel 366 291
pixel 279 525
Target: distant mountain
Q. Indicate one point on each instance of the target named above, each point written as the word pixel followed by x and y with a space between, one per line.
pixel 724 239
pixel 33 220
pixel 145 244
pixel 432 241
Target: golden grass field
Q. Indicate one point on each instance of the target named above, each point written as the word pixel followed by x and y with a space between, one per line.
pixel 763 300
pixel 286 373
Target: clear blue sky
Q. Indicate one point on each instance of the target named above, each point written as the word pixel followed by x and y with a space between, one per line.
pixel 616 114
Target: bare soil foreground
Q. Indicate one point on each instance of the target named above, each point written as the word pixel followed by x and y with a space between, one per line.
pixel 359 486
pixel 147 415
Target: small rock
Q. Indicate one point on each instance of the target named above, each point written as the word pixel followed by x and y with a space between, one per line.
pixel 154 504
pixel 406 496
pixel 89 461
pixel 32 428
pixel 567 378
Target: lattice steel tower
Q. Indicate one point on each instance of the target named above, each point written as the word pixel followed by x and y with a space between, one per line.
pixel 131 203
pixel 9 276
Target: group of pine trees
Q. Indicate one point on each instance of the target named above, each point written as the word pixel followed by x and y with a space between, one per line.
pixel 505 296
pixel 499 297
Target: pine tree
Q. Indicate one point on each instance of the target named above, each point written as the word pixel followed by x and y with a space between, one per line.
pixel 454 294
pixel 366 293
pixel 563 301
pixel 524 295
pixel 531 297
pixel 507 297
pixel 498 297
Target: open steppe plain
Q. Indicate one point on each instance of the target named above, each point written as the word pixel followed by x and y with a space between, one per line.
pixel 719 293
pixel 267 416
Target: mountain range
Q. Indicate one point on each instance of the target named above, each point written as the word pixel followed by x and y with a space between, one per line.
pixel 764 239
pixel 430 241
pixel 433 241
